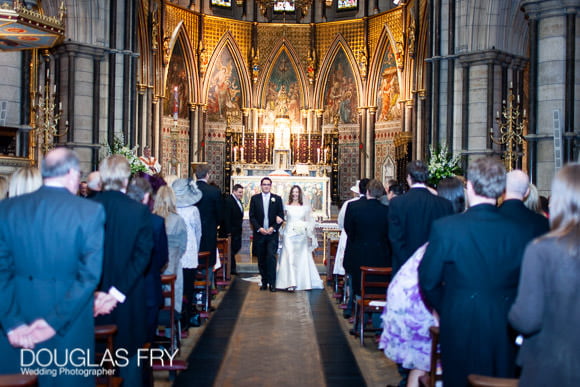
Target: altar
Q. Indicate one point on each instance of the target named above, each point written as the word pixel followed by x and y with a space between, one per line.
pixel 316 190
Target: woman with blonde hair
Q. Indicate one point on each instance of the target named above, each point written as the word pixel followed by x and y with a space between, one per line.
pixel 176 237
pixel 547 308
pixel 24 180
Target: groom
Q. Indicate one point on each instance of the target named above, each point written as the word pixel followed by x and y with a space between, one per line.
pixel 266 216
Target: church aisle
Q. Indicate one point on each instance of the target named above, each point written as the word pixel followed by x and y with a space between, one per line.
pixel 259 338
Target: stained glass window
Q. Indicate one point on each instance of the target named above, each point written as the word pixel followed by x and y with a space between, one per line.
pixel 344 5
pixel 222 3
pixel 284 6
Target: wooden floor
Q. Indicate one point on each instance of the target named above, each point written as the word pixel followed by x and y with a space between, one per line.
pixel 259 338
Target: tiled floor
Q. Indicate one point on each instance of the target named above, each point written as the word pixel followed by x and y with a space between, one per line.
pixel 259 338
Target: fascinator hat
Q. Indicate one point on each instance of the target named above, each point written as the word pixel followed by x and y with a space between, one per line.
pixel 186 192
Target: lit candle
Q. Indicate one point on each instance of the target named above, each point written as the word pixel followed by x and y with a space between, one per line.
pixel 518 98
pixel 524 113
pixel 60 106
pixel 511 85
pixel 497 114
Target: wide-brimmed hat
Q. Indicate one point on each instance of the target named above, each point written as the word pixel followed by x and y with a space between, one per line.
pixel 354 188
pixel 186 192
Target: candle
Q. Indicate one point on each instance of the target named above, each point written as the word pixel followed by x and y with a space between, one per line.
pixel 497 114
pixel 325 153
pixel 518 98
pixel 524 113
pixel 322 138
pixel 243 134
pixel 242 154
pixel 235 154
pixel 511 85
pixel 298 147
pixel 317 155
pixel 60 106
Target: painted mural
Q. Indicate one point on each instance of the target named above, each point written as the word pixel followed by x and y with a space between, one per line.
pixel 340 96
pixel 177 90
pixel 282 94
pixel 224 95
pixel 388 95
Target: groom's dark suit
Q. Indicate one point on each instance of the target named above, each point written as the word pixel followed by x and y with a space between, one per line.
pixel 265 246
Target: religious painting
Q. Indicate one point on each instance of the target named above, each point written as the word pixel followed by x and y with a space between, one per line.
pixel 340 96
pixel 282 94
pixel 224 95
pixel 177 90
pixel 388 89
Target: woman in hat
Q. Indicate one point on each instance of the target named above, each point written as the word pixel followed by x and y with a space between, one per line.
pixel 187 195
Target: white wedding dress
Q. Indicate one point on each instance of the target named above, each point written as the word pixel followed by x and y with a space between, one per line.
pixel 296 268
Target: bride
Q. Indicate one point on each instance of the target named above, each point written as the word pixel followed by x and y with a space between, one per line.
pixel 296 269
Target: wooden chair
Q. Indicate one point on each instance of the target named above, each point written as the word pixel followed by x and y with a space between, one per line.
pixel 223 275
pixel 105 334
pixel 202 283
pixel 167 312
pixel 488 381
pixel 374 284
pixel 16 380
pixel 432 377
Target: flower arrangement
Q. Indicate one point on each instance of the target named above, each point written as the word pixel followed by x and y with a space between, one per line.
pixel 120 148
pixel 442 164
pixel 298 227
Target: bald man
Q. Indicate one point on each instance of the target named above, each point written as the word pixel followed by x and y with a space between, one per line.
pixel 517 188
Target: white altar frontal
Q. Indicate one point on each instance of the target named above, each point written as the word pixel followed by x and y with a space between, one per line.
pixel 316 190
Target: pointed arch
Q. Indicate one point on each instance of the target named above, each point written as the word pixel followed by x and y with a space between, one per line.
pixel 338 48
pixel 385 80
pixel 179 35
pixel 228 42
pixel 386 42
pixel 283 46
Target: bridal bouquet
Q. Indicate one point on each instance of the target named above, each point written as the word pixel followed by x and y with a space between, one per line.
pixel 298 227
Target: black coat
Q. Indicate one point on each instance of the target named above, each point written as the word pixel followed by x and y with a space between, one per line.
pixel 470 274
pixel 366 224
pixel 410 219
pixel 210 213
pixel 51 257
pixel 275 208
pixel 526 218
pixel 232 219
pixel 128 244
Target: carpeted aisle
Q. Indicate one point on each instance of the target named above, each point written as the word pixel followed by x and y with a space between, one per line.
pixel 259 338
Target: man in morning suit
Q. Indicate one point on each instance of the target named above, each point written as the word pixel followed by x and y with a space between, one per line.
pixel 210 212
pixel 411 215
pixel 367 227
pixel 128 244
pixel 469 275
pixel 517 188
pixel 232 222
pixel 266 216
pixel 51 257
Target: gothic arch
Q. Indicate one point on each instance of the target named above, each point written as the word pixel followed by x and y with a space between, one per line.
pixel 180 34
pixel 283 46
pixel 386 41
pixel 228 42
pixel 338 44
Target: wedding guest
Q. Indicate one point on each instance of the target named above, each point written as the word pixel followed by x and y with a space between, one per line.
pixel 232 223
pixel 412 214
pixel 406 319
pixel 210 211
pixel 165 206
pixel 94 183
pixel 140 189
pixel 187 196
pixel 469 275
pixel 51 258
pixel 128 244
pixel 547 307
pixel 24 180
